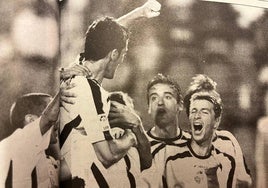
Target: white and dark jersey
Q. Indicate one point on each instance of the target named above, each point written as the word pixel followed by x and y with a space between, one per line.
pixel 227 143
pixel 47 172
pixel 186 169
pixel 84 123
pixel 161 149
pixel 124 173
pixel 19 154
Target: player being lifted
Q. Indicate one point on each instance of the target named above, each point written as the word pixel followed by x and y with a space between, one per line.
pixel 86 140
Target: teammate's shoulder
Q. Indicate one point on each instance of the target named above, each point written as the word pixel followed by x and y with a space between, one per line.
pixel 82 81
pixel 186 135
pixel 225 135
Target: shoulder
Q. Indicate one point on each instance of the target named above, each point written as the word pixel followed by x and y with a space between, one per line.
pixel 225 135
pixel 186 135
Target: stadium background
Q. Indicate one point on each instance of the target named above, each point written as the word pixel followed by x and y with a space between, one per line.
pixel 189 37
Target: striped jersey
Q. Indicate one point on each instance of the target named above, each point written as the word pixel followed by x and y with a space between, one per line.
pixel 161 149
pixel 227 143
pixel 85 123
pixel 187 169
pixel 19 154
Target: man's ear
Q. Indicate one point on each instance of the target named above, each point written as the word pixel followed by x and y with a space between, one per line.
pixel 149 108
pixel 114 55
pixel 217 122
pixel 28 118
pixel 179 107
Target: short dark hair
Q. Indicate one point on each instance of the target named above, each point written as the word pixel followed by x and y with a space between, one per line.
pixel 165 79
pixel 203 83
pixel 32 103
pixel 102 36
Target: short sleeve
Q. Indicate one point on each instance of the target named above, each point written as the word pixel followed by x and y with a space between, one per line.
pixel 89 112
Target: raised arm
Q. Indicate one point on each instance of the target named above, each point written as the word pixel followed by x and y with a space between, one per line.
pixel 50 114
pixel 148 10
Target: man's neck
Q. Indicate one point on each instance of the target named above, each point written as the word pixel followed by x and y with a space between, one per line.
pixel 201 149
pixel 166 132
pixel 97 68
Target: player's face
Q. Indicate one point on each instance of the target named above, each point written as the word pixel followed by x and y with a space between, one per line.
pixel 113 65
pixel 202 119
pixel 163 105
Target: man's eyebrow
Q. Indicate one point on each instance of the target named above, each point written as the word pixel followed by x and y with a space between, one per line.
pixel 168 92
pixel 152 94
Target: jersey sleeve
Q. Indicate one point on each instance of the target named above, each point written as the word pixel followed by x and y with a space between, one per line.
pixel 90 110
pixel 36 142
pixel 22 149
pixel 242 173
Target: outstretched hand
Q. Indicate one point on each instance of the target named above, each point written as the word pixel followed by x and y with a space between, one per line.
pixel 123 116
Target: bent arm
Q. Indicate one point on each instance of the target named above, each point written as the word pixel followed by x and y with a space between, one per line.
pixel 50 114
pixel 110 152
pixel 143 147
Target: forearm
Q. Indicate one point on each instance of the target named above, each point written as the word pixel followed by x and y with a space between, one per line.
pixel 110 152
pixel 50 114
pixel 143 147
pixel 128 18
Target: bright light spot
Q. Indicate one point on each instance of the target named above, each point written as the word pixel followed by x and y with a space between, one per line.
pixel 180 3
pixel 247 14
pixel 35 35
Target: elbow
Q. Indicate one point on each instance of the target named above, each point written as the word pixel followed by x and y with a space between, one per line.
pixel 146 164
pixel 107 161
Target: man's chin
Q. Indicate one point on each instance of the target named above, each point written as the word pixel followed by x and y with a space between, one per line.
pixel 161 122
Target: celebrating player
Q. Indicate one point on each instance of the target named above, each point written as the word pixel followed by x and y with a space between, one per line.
pixel 85 130
pixel 206 165
pixel 21 151
pixel 165 104
pixel 223 140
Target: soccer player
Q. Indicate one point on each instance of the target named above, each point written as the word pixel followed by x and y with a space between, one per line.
pixel 85 130
pixel 138 157
pixel 165 104
pixel 199 163
pixel 222 139
pixel 34 115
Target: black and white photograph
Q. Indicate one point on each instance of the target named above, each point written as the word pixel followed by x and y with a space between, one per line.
pixel 134 93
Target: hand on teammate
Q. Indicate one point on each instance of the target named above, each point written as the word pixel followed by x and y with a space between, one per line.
pixel 123 116
pixel 74 70
pixel 66 96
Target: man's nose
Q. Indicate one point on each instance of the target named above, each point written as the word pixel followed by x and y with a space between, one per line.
pixel 197 115
pixel 160 101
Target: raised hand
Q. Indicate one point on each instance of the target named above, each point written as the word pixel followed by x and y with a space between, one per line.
pixel 151 9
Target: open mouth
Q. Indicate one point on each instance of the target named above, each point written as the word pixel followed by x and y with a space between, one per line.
pixel 161 111
pixel 198 126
